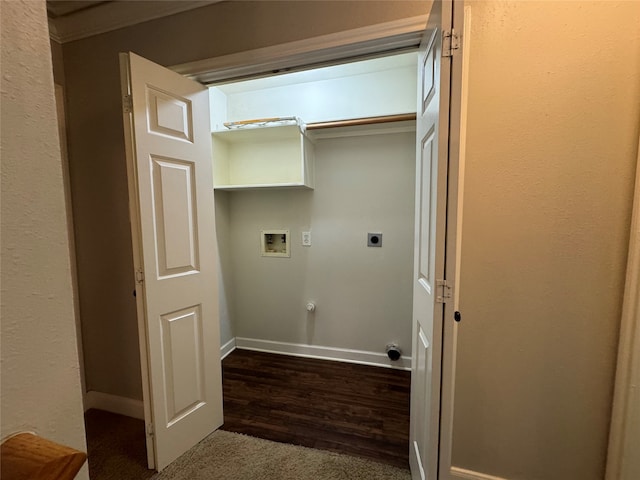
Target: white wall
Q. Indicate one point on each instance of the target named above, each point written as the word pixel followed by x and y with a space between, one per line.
pixel 40 374
pixel 553 121
pixel 225 271
pixel 363 295
pixel 384 86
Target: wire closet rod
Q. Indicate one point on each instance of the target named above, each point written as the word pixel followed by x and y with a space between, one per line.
pixel 362 121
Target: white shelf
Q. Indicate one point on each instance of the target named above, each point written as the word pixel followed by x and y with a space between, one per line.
pixel 262 157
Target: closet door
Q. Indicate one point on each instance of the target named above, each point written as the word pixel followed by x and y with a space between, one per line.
pixel 430 290
pixel 172 219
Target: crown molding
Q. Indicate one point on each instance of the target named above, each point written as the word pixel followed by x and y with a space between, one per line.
pixel 114 15
pixel 53 31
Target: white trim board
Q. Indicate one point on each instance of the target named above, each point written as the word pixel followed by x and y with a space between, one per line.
pixel 324 353
pixel 128 407
pixel 624 436
pixel 463 474
pixel 227 348
pixel 333 48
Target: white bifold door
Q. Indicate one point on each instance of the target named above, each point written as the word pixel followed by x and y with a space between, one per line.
pixel 431 393
pixel 172 219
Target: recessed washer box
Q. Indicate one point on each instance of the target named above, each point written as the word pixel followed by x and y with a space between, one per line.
pixel 274 243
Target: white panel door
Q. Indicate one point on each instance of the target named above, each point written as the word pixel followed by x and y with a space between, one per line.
pixel 429 249
pixel 172 218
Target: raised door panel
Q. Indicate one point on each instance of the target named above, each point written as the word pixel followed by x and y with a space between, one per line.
pixel 182 353
pixel 426 176
pixel 421 391
pixel 175 215
pixel 169 115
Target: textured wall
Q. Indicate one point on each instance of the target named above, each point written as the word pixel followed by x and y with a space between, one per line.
pixel 363 295
pixel 96 147
pixel 554 111
pixel 40 377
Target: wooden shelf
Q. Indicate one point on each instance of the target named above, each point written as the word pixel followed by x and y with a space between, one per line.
pixel 262 157
pixel 363 121
pixel 361 127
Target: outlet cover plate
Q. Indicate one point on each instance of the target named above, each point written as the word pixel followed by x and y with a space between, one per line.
pixel 374 239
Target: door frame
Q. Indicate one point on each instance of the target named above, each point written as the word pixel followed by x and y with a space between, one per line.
pixel 626 400
pixel 370 42
pixel 136 240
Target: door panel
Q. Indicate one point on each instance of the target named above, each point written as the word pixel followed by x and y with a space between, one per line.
pixel 175 214
pixel 429 249
pixel 173 229
pixel 422 391
pixel 425 243
pixel 169 115
pixel 183 365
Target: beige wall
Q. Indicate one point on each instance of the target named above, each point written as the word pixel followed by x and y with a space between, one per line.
pixel 554 110
pixel 98 173
pixel 553 128
pixel 40 376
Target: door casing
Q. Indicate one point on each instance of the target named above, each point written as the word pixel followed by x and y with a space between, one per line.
pixel 369 42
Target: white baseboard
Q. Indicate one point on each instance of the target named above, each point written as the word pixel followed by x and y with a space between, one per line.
pixel 227 348
pixel 462 474
pixel 324 353
pixel 114 404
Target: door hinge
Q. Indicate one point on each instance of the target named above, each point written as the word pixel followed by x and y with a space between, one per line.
pixel 139 275
pixel 443 293
pixel 127 104
pixel 450 42
pixel 150 429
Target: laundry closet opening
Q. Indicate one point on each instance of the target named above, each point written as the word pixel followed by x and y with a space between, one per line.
pixel 293 171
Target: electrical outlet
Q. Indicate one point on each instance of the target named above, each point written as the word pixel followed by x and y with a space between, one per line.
pixel 374 239
pixel 306 239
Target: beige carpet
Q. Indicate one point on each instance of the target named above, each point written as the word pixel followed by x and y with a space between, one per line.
pixel 231 456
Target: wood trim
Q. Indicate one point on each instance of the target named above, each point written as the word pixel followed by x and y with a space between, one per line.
pixel 463 474
pixel 53 31
pixel 362 121
pixel 114 15
pixel 624 437
pixel 28 456
pixel 324 353
pixel 373 40
pixel 129 407
pixel 461 18
pixel 227 348
pixel 66 178
pixel 136 247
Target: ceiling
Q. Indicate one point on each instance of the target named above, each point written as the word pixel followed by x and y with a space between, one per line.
pixel 71 20
pixel 62 8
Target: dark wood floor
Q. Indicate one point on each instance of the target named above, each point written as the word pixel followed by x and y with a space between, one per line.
pixel 347 408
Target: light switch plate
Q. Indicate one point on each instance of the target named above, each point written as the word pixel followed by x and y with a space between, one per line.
pixel 306 239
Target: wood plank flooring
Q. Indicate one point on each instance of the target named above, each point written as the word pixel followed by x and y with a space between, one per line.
pixel 347 408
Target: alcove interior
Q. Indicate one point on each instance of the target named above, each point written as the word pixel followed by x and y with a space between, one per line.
pixel 329 181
